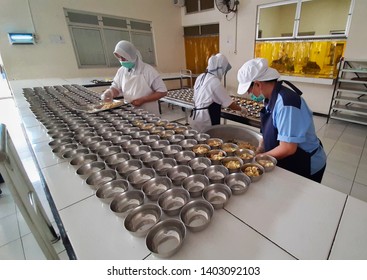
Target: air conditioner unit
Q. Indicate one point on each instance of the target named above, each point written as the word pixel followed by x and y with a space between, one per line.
pixel 179 3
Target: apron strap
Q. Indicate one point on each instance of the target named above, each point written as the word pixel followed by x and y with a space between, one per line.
pixel 193 111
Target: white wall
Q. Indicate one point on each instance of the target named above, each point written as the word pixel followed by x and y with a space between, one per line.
pixel 318 96
pixel 48 59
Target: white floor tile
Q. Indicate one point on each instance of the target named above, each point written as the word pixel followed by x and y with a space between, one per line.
pixel 31 249
pixel 9 230
pixel 341 168
pixel 7 205
pixel 337 182
pixel 359 191
pixel 12 251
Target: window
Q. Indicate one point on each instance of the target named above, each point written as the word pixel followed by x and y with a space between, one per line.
pixel 201 30
pixel 94 37
pixel 193 6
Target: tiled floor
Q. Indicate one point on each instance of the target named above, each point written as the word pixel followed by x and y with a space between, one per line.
pixel 346 171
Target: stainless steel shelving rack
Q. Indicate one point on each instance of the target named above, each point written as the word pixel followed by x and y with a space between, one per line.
pixel 349 100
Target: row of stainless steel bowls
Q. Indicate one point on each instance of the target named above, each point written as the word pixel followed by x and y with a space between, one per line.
pixel 143 166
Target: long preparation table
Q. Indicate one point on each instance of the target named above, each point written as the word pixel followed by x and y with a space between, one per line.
pixel 282 216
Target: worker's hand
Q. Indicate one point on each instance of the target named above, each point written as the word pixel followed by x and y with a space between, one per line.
pixel 244 112
pixel 107 96
pixel 259 150
pixel 137 102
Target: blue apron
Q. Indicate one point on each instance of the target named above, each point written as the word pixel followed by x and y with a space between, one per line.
pixel 300 161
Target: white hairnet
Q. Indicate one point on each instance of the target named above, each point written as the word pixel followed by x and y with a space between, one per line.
pixel 218 65
pixel 127 50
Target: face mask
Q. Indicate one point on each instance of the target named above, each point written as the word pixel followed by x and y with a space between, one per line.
pixel 259 98
pixel 127 64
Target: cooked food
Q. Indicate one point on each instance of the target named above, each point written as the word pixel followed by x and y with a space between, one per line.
pixel 180 129
pixel 246 156
pixel 109 105
pixel 245 145
pixel 147 126
pixel 170 126
pixel 228 148
pixel 233 164
pixel 266 162
pixel 200 150
pixel 252 171
pixel 217 156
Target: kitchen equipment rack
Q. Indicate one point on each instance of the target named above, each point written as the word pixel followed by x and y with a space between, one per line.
pixel 349 100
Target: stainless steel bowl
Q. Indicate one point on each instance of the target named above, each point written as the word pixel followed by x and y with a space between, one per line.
pixel 139 151
pixel 151 157
pixel 266 161
pixel 230 148
pixel 180 129
pixel 176 138
pixel 61 141
pixel 166 238
pixel 214 143
pixel 161 122
pixel 75 152
pixel 217 195
pixel 123 203
pixel 88 168
pixel 107 192
pixel 141 134
pixel 199 164
pixel 81 136
pixel 190 133
pixel 101 177
pixel 195 184
pixel 170 126
pixel 171 150
pixel 165 134
pixel 178 173
pixel 246 155
pixel 254 170
pixel 108 151
pixel 119 140
pixel 172 200
pixel 138 177
pixel 201 150
pixel 197 214
pixel 161 166
pixel 216 156
pixel 91 140
pixel 130 144
pixel 62 135
pixel 156 186
pixel 99 145
pixel 149 139
pixel 216 173
pixel 238 182
pixel 156 129
pixel 233 164
pixel 184 157
pixel 128 166
pixel 188 144
pixel 83 159
pixel 115 159
pixel 142 218
pixel 159 145
pixel 111 134
pixel 201 137
pixel 61 149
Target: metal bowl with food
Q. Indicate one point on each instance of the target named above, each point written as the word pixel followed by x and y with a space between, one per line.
pixel 197 214
pixel 216 156
pixel 217 195
pixel 266 161
pixel 138 177
pixel 246 155
pixel 107 191
pixel 142 218
pixel 124 202
pixel 238 182
pixel 156 186
pixel 254 170
pixel 232 163
pixel 166 238
pixel 172 200
pixel 214 143
pixel 201 150
pixel 229 148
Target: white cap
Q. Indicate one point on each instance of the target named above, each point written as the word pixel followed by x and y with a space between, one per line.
pixel 256 69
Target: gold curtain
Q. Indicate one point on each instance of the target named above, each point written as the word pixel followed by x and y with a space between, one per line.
pixel 198 50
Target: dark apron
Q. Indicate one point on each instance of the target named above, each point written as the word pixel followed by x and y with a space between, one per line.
pixel 214 112
pixel 300 161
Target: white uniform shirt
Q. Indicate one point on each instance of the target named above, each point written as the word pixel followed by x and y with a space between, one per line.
pixel 210 91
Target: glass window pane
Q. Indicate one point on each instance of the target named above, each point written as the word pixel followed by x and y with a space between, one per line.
pixel 144 43
pixel 136 25
pixel 88 43
pixel 210 29
pixel 114 22
pixel 192 6
pixel 277 21
pixel 83 18
pixel 112 37
pixel 332 17
pixel 192 31
pixel 206 4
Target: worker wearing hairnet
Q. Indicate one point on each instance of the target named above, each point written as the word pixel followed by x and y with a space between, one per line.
pixel 139 83
pixel 210 95
pixel 286 121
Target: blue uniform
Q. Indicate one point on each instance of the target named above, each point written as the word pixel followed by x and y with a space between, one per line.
pixel 287 118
